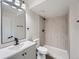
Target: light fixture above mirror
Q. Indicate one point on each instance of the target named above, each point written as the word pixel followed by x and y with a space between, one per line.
pixel 9 0
pixel 19 4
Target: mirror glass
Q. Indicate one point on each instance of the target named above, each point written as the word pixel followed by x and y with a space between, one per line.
pixel 13 19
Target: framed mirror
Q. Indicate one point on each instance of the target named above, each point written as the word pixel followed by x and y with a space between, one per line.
pixel 13 19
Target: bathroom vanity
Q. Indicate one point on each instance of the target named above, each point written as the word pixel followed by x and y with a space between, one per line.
pixel 25 50
pixel 13 43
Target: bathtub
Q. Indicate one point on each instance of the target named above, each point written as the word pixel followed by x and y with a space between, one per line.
pixel 57 53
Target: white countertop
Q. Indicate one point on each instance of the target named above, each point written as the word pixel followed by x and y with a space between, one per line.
pixel 12 50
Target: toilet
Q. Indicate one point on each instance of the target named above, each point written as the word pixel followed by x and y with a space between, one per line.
pixel 41 51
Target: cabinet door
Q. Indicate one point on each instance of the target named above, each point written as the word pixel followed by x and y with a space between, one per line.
pixel 30 53
pixel 17 56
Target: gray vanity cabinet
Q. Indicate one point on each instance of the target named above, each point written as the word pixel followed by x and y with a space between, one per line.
pixel 17 56
pixel 28 53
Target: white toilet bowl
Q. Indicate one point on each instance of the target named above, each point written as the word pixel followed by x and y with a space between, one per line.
pixel 42 51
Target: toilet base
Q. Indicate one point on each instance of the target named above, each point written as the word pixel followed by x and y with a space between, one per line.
pixel 41 56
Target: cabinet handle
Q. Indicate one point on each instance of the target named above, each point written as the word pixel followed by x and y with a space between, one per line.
pixel 22 54
pixel 25 53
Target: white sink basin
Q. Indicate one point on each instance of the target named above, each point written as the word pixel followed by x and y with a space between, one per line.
pixel 16 47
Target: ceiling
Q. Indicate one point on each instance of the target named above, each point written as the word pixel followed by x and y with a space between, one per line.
pixel 52 8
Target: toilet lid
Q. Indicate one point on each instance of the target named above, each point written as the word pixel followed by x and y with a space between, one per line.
pixel 42 49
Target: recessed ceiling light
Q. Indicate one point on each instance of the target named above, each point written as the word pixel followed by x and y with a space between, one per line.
pixel 23 6
pixel 5 3
pixel 17 2
pixel 9 0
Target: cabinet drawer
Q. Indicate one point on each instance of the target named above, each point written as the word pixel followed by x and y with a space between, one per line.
pixel 17 56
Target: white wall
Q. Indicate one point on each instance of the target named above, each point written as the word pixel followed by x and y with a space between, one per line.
pixel 36 24
pixel 0 23
pixel 32 22
pixel 56 34
pixel 74 31
pixel 42 34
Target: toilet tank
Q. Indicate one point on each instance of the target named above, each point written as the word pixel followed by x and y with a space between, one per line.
pixel 37 42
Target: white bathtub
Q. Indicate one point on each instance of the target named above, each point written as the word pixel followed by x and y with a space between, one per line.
pixel 57 53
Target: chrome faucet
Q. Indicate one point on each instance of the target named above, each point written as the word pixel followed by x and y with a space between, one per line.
pixel 17 41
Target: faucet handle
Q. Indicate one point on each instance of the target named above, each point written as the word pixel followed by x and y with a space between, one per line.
pixel 10 37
